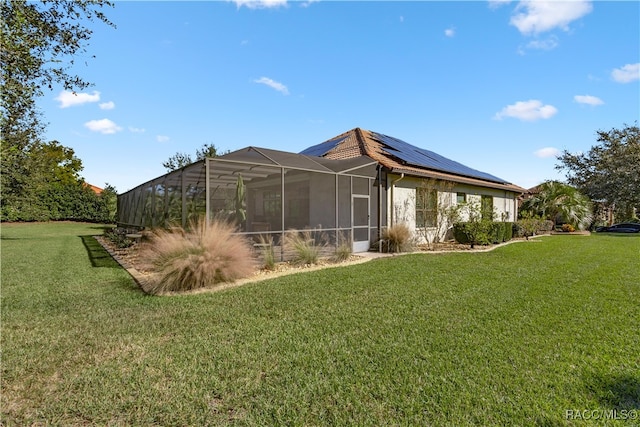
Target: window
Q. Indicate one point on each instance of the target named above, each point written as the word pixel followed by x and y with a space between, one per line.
pixel 426 207
pixel 271 204
pixel 486 206
pixel 461 198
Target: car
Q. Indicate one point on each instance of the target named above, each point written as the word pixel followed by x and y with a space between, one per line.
pixel 623 227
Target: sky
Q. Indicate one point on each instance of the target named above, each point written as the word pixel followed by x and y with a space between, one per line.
pixel 500 86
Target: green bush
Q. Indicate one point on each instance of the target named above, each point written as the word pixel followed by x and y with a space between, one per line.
pixel 473 233
pixel 502 231
pixel 201 256
pixel 74 202
pixel 530 226
pixel 497 232
pixel 482 232
pixel 508 231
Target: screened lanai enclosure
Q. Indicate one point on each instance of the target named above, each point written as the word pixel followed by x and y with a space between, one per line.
pixel 266 194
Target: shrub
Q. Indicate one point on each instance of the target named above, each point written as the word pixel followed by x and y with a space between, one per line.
pixel 501 232
pixel 546 226
pixel 568 228
pixel 497 232
pixel 473 233
pixel 201 256
pixel 303 247
pixel 508 231
pixel 532 225
pixel 118 237
pixel 397 238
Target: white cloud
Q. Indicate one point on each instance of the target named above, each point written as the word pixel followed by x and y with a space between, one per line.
pixel 536 16
pixel 259 4
pixel 136 130
pixel 107 105
pixel 273 84
pixel 104 126
pixel 308 3
pixel 494 4
pixel 162 138
pixel 450 32
pixel 626 74
pixel 546 44
pixel 547 152
pixel 529 111
pixel 588 99
pixel 69 99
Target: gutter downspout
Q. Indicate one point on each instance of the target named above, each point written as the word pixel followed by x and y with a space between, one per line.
pixel 393 184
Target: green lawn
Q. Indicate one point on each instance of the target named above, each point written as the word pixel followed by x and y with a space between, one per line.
pixel 516 336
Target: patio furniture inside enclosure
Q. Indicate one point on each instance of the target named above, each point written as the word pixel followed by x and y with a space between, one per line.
pixel 266 194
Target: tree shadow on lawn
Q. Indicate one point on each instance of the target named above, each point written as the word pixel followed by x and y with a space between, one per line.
pixel 97 254
pixel 621 392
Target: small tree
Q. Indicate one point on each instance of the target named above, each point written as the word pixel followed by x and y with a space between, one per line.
pixel 528 224
pixel 437 199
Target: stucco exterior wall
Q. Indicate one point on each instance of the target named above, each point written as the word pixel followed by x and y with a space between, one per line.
pixel 401 202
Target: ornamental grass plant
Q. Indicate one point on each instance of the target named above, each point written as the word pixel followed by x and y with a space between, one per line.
pixel 398 238
pixel 201 256
pixel 303 247
pixel 344 250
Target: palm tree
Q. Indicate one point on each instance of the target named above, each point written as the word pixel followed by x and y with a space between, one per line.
pixel 558 201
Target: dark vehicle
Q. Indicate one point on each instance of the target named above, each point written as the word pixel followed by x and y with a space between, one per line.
pixel 624 227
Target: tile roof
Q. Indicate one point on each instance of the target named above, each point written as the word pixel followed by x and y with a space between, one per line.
pixel 93 188
pixel 401 157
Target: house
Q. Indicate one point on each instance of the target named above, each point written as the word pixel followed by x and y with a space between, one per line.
pixel 352 186
pixel 416 182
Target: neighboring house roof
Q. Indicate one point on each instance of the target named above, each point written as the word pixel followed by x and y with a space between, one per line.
pixel 95 189
pixel 401 157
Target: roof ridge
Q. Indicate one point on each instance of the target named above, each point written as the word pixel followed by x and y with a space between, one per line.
pixel 362 141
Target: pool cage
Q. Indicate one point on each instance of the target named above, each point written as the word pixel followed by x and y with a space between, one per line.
pixel 267 194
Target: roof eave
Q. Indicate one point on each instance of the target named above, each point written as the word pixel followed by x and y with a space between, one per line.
pixel 458 179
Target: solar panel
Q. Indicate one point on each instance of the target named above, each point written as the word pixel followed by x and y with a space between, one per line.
pixel 320 150
pixel 424 158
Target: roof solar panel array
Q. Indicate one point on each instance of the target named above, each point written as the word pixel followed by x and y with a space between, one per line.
pixel 323 148
pixel 416 156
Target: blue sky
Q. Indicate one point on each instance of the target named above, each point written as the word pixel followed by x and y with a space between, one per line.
pixel 499 86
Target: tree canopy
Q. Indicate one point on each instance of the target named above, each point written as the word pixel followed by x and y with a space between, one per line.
pixel 39 45
pixel 180 160
pixel 610 171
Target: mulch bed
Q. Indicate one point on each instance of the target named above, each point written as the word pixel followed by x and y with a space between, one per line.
pixel 129 259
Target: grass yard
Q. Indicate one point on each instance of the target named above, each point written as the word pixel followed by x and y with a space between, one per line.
pixel 545 332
